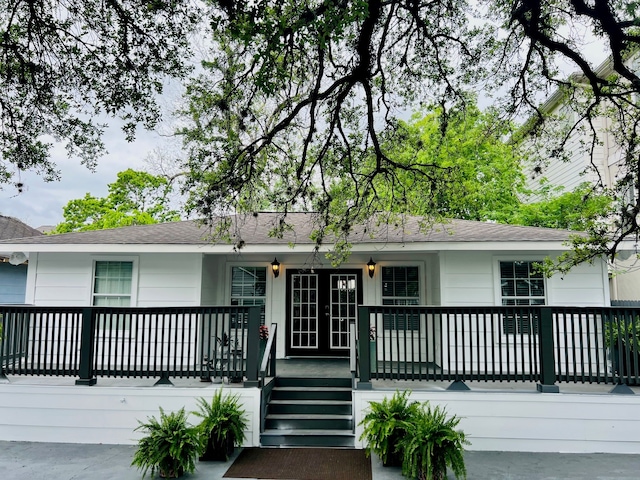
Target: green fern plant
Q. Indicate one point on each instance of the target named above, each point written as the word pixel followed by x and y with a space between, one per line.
pixel 432 444
pixel 385 424
pixel 170 445
pixel 223 424
pixel 624 331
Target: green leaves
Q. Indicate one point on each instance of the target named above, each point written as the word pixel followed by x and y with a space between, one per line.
pixel 135 198
pixel 432 444
pixel 425 440
pixel 222 417
pixel 385 424
pixel 63 64
pixel 170 445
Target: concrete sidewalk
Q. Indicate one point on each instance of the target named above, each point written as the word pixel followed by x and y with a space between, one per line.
pixel 60 461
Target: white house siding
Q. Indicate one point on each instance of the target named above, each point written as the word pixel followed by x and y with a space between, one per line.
pixel 213 280
pixel 467 278
pixel 472 279
pixel 60 279
pixel 65 279
pixel 169 279
pixel 532 422
pixel 78 414
pixel 496 421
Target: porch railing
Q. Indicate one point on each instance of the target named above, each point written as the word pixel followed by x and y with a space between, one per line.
pixel 163 343
pixel 500 344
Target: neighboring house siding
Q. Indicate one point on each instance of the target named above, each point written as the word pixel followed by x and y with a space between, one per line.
pixel 13 280
pixel 579 168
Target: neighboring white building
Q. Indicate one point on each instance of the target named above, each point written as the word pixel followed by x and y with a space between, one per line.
pixel 580 166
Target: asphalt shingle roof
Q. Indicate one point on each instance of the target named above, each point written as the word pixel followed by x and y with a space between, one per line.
pixel 255 230
pixel 13 228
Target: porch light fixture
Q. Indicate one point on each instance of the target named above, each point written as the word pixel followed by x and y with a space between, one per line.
pixel 275 267
pixel 371 267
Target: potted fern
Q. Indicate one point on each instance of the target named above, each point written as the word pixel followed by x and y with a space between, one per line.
pixel 385 424
pixel 222 426
pixel 432 444
pixel 170 446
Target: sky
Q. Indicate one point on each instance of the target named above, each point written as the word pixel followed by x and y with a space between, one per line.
pixel 41 203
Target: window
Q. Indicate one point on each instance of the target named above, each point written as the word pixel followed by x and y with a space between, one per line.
pixel 400 286
pixel 249 287
pixel 112 282
pixel 521 283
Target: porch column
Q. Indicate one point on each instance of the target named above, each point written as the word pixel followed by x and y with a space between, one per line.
pixel 546 353
pixel 86 348
pixel 364 353
pixel 253 347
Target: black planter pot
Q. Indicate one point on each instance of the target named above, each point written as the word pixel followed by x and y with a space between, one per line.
pixel 620 358
pixel 394 459
pixel 218 450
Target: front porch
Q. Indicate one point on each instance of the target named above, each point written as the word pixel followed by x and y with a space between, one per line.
pixel 100 397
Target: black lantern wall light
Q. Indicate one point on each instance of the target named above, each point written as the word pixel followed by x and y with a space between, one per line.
pixel 275 268
pixel 371 267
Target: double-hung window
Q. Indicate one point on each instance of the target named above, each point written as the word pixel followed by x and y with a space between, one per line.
pixel 249 287
pixel 112 283
pixel 521 284
pixel 400 286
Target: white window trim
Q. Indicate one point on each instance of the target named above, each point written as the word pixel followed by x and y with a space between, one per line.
pixel 378 277
pixel 257 263
pixel 498 286
pixel 134 274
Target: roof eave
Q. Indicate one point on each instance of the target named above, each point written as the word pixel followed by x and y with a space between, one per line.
pixel 223 249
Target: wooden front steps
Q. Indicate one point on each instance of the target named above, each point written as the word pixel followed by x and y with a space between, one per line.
pixel 309 412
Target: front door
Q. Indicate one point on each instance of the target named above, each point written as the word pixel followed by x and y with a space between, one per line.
pixel 320 305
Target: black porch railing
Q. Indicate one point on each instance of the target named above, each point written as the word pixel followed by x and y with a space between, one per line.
pixel 500 344
pixel 163 343
pixel 497 344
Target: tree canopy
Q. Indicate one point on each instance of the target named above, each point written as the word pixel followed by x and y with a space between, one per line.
pixel 477 173
pixel 64 64
pixel 305 95
pixel 135 198
pixel 295 98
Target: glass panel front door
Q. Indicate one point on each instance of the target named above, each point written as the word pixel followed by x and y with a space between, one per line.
pixel 304 311
pixel 320 306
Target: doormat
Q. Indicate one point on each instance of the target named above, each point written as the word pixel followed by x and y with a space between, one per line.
pixel 301 464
